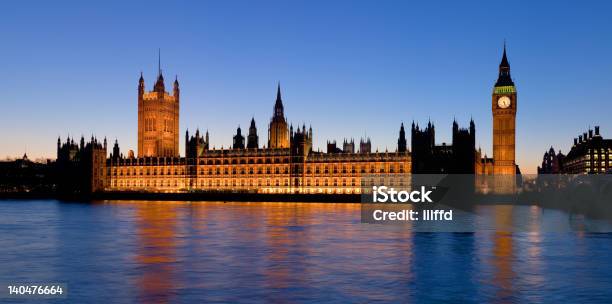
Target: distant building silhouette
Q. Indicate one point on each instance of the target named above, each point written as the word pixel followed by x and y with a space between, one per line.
pixel 23 175
pixel 551 162
pixel 590 154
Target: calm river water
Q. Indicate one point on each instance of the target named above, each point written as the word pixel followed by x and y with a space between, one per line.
pixel 174 252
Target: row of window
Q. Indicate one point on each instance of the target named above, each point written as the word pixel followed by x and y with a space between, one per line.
pixel 242 160
pixel 602 150
pixel 598 156
pixel 335 182
pixel 322 169
pixel 601 164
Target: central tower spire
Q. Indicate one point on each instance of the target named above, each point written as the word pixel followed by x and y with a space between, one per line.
pixel 278 105
pixel 278 134
pixel 158 118
pixel 159 87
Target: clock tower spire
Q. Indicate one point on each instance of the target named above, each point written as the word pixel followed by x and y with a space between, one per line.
pixel 504 106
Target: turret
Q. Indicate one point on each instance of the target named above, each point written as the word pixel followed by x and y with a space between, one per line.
pixel 301 142
pixel 331 147
pixel 348 146
pixel 176 87
pixel 365 145
pixel 160 87
pixel 253 139
pixel 186 141
pixel 238 139
pixel 116 153
pixel 141 85
pixel 401 141
pixel 472 127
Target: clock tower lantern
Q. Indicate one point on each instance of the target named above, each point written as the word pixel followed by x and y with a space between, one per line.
pixel 504 105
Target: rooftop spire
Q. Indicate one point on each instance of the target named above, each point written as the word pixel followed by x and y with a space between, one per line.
pixel 159 84
pixel 278 105
pixel 141 83
pixel 504 78
pixel 504 61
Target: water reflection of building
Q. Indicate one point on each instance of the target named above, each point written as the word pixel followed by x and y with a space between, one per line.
pixel 590 153
pixel 503 276
pixel 156 252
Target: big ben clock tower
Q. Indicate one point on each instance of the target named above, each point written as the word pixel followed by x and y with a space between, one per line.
pixel 504 120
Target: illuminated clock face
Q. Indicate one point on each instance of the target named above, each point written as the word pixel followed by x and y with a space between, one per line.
pixel 503 102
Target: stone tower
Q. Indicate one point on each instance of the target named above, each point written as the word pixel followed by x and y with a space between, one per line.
pixel 238 139
pixel 158 119
pixel 278 133
pixel 504 106
pixel 252 138
pixel 401 141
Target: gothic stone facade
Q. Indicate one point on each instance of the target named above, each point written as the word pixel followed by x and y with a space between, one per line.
pixel 158 120
pixel 287 165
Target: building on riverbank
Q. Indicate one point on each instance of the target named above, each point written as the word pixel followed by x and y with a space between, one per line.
pixel 590 154
pixel 288 164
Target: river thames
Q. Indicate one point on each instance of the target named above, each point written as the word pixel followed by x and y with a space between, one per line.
pixel 169 252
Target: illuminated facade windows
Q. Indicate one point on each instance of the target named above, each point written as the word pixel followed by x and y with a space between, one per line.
pixel 589 154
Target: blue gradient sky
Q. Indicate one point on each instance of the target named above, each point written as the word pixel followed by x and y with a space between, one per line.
pixel 348 68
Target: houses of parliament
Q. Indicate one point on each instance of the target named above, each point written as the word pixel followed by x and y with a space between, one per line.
pixel 286 163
